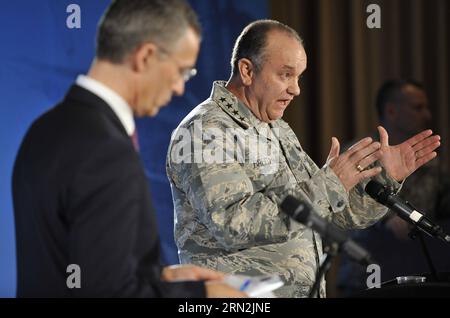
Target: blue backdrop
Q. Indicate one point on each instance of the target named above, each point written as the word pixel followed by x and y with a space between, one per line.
pixel 41 57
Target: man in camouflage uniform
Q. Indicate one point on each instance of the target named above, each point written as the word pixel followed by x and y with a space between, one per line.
pixel 232 160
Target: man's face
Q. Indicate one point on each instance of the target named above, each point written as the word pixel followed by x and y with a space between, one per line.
pixel 165 76
pixel 413 112
pixel 276 84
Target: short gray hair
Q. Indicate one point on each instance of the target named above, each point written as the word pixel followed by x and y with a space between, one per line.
pixel 126 24
pixel 252 41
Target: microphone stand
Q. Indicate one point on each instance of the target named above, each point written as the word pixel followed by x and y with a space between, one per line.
pixel 330 250
pixel 416 233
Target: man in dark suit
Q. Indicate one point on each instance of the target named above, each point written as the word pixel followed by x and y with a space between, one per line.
pixel 84 220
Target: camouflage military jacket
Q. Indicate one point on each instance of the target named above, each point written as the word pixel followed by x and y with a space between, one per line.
pixel 226 198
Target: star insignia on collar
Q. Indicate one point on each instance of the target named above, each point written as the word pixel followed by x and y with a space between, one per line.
pixel 230 106
pixel 241 118
pixel 222 99
pixel 235 112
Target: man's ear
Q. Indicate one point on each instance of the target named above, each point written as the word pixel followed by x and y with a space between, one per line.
pixel 144 56
pixel 246 71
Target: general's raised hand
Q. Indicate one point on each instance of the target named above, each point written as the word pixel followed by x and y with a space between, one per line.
pixel 402 160
pixel 350 167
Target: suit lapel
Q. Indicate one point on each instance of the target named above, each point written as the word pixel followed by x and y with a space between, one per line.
pixel 81 95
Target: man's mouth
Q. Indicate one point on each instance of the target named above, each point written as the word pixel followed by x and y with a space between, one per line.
pixel 284 102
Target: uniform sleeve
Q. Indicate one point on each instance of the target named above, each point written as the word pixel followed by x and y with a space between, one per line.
pixel 348 210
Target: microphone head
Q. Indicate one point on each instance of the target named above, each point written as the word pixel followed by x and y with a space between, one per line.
pixel 377 191
pixel 295 208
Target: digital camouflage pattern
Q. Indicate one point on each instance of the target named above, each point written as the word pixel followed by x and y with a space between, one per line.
pixel 226 213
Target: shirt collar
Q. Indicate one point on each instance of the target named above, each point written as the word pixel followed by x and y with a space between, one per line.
pixel 115 101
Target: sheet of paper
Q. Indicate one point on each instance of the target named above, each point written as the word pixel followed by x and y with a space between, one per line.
pixel 255 286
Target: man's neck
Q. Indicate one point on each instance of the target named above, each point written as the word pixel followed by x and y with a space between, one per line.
pixel 114 76
pixel 239 90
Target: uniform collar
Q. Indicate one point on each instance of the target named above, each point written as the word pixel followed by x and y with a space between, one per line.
pixel 235 108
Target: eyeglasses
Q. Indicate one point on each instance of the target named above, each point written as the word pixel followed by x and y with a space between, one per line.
pixel 186 73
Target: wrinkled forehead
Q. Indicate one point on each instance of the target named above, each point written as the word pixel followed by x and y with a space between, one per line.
pixel 284 50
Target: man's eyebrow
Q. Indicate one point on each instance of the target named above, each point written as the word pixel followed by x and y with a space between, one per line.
pixel 288 67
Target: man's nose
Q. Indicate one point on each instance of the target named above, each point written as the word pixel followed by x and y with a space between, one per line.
pixel 178 87
pixel 294 88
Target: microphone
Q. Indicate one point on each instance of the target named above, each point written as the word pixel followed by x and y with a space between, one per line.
pixel 404 210
pixel 303 213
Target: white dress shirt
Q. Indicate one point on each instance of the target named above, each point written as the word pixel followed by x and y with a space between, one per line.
pixel 114 100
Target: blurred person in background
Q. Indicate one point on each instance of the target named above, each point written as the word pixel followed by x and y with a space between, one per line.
pixel 403 109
